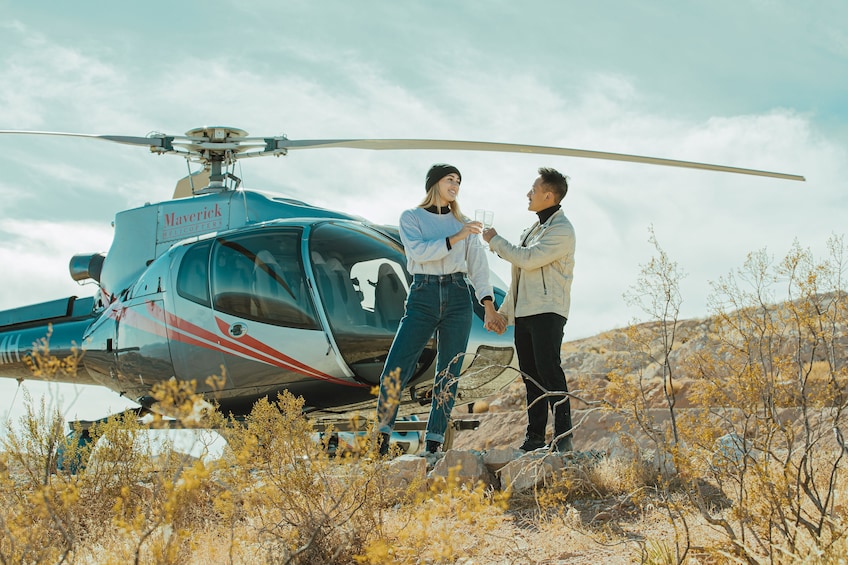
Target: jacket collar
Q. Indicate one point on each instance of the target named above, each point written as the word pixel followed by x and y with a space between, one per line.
pixel 544 215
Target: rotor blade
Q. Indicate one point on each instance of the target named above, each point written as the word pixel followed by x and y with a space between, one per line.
pixel 158 141
pixel 163 141
pixel 59 133
pixel 395 144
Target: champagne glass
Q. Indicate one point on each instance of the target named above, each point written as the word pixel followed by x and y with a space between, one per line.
pixel 485 217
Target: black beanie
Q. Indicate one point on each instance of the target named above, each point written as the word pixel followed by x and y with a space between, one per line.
pixel 439 171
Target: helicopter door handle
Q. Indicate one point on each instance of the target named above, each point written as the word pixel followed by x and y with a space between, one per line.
pixel 237 330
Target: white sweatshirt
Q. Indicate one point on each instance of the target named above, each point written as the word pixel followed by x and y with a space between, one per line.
pixel 424 236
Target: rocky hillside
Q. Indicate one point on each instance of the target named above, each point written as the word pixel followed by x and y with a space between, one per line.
pixel 589 362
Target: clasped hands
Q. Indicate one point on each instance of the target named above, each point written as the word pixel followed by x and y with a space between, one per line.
pixel 494 321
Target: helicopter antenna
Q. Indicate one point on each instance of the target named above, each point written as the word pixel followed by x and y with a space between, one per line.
pixel 190 179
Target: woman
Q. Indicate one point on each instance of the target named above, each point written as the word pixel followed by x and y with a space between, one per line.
pixel 440 252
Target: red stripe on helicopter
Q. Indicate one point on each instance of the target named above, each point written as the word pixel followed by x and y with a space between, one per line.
pixel 137 320
pixel 223 343
pixel 264 348
pixel 158 321
pixel 153 324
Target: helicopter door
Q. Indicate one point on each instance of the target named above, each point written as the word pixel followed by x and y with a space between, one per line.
pixel 194 354
pixel 263 307
pixel 362 282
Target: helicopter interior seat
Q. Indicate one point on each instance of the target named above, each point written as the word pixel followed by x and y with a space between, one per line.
pixel 341 300
pixel 389 297
pixel 268 285
pixel 350 301
pixel 233 283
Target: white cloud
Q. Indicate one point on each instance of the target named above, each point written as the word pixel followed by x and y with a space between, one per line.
pixel 53 83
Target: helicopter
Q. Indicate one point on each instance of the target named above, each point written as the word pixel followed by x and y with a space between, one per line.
pixel 273 293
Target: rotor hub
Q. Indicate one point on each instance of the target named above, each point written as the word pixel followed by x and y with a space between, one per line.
pixel 216 134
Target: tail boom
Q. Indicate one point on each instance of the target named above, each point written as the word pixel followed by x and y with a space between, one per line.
pixel 48 330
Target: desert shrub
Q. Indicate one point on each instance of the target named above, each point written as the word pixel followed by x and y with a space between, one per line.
pixel 651 373
pixel 275 496
pixel 621 477
pixel 296 502
pixel 441 524
pixel 774 379
pixel 105 484
pixel 58 510
pixel 769 402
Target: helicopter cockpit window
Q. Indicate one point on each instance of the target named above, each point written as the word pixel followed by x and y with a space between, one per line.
pixel 362 282
pixel 193 278
pixel 360 275
pixel 260 277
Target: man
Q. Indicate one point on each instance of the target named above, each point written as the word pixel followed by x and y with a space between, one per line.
pixel 537 305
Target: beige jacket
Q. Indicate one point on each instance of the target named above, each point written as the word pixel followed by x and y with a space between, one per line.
pixel 542 269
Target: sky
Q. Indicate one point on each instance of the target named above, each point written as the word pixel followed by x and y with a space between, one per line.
pixel 758 84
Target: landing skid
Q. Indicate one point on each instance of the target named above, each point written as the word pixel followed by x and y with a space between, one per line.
pixel 408 433
pixel 401 428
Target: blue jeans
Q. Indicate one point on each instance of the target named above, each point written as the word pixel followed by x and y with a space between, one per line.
pixel 440 305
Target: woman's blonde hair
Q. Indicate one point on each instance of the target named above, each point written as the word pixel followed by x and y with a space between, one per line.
pixel 432 200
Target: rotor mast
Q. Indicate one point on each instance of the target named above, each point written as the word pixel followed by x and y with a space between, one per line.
pixel 216 147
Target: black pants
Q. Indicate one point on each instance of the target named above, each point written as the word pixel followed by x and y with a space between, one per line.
pixel 538 340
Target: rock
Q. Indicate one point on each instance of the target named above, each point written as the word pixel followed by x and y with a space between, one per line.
pixel 529 471
pixel 495 459
pixel 466 466
pixel 480 407
pixel 404 471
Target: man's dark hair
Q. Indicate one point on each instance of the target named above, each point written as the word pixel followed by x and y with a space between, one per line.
pixel 554 181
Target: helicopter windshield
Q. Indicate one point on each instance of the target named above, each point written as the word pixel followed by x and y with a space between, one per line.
pixel 260 277
pixel 362 280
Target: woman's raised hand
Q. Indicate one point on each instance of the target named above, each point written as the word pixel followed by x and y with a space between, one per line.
pixel 469 228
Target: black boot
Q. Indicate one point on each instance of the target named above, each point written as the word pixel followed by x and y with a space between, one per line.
pixel 433 446
pixel 383 443
pixel 533 442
